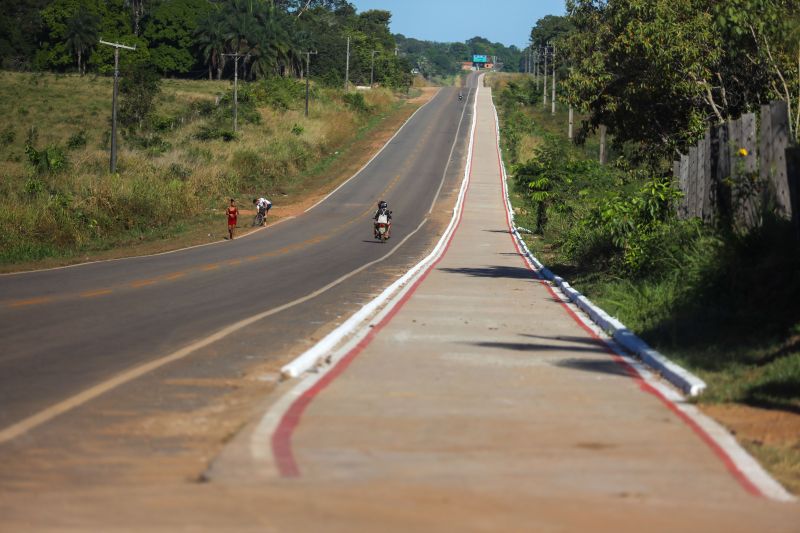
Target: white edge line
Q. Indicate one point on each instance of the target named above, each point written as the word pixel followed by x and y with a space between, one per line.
pixel 623 339
pixel 360 170
pixel 326 351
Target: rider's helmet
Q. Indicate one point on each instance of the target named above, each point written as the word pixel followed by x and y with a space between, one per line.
pixel 382 204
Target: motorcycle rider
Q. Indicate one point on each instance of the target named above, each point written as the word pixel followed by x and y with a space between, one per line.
pixel 460 96
pixel 383 209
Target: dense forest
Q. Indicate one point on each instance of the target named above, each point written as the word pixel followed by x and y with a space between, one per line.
pixel 442 59
pixel 194 39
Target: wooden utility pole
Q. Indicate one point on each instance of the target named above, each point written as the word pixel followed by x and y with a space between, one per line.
pixel 536 68
pixel 117 46
pixel 308 74
pixel 235 57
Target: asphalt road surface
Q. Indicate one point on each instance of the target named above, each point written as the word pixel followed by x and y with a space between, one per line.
pixel 66 330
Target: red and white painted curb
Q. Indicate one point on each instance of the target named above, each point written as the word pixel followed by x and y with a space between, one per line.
pixel 747 471
pixel 331 356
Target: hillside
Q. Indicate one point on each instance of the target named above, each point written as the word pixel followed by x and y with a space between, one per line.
pixel 176 167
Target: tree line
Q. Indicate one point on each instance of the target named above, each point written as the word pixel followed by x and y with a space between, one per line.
pixel 657 73
pixel 195 38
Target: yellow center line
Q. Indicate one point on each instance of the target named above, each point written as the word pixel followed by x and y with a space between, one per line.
pixel 142 283
pixel 94 294
pixel 30 301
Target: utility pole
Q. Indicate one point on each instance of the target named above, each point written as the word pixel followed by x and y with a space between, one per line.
pixel 235 57
pixel 308 74
pixel 536 68
pixel 117 46
pixel 553 98
pixel 372 68
pixel 544 89
pixel 347 66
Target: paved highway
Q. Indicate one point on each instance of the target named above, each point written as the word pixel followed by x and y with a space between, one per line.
pixel 66 330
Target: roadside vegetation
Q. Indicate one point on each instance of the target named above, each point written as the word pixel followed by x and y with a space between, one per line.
pixel 179 157
pixel 723 302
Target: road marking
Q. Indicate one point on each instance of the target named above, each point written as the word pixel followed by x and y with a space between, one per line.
pixel 30 301
pixel 143 283
pixel 96 293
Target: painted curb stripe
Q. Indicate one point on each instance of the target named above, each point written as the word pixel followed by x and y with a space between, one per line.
pixel 743 467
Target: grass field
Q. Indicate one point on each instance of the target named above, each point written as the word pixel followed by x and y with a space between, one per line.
pixel 59 200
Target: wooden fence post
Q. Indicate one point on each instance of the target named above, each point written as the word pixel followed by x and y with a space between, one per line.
pixel 774 158
pixel 704 185
pixel 683 182
pixel 721 169
pixel 691 185
pixel 750 196
pixel 793 175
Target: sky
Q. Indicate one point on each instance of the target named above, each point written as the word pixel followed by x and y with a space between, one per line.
pixel 505 21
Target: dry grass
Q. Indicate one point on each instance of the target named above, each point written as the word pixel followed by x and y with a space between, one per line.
pixel 158 189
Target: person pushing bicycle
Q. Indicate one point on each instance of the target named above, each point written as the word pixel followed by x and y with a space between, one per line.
pixel 263 205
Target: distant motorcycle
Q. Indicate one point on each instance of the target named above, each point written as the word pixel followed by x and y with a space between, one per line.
pixel 383 226
pixel 460 97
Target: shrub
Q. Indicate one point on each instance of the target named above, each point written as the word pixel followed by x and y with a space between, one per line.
pixel 210 133
pixel 356 102
pixel 279 92
pixel 139 87
pixel 77 140
pixel 8 135
pixel 297 129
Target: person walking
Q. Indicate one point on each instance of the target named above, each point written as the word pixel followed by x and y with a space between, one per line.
pixel 233 215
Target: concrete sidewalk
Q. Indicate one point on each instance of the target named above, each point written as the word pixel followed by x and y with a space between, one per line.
pixel 484 405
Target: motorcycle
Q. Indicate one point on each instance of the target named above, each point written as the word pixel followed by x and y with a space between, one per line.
pixel 383 226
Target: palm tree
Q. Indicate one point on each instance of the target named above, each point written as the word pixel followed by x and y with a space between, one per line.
pixel 82 30
pixel 211 37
